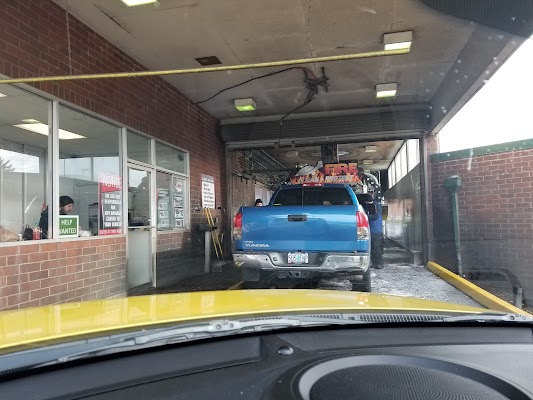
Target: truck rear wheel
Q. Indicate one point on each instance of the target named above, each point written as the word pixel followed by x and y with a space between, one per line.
pixel 365 285
pixel 265 282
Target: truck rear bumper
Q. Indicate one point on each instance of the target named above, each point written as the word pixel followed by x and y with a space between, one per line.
pixel 352 263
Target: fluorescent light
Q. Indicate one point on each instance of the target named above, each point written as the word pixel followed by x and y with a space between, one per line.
pixel 3 95
pixel 343 153
pixel 386 93
pixel 42 129
pixel 371 149
pixel 386 90
pixel 368 162
pixel 398 46
pixel 398 40
pixel 134 3
pixel 245 104
pixel 30 121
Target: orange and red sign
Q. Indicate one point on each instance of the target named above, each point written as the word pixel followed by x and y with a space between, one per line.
pixel 329 173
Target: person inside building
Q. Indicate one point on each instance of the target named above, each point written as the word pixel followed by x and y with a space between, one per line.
pixel 259 203
pixel 66 205
pixel 375 218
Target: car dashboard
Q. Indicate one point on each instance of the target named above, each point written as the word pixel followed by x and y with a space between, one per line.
pixel 371 362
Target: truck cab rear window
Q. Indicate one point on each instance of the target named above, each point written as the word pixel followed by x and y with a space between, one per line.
pixel 313 197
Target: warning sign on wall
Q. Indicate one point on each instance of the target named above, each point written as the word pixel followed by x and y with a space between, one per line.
pixel 208 191
pixel 110 210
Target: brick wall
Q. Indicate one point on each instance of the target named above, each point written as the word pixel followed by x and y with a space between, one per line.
pixel 48 273
pixel 177 257
pixel 496 213
pixel 33 42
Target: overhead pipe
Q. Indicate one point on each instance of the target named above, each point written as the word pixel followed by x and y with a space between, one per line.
pixel 138 74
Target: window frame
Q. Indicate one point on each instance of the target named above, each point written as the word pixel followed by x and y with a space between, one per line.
pixel 52 170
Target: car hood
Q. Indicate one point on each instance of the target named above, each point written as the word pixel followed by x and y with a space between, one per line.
pixel 97 318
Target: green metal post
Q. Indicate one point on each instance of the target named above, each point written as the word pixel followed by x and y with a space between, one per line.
pixel 457 233
pixel 453 183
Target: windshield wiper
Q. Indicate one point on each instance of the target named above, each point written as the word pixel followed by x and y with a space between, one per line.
pixel 491 317
pixel 216 328
pixel 220 328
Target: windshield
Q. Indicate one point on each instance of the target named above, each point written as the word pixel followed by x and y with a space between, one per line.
pixel 340 149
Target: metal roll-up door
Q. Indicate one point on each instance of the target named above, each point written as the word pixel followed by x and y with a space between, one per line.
pixel 384 125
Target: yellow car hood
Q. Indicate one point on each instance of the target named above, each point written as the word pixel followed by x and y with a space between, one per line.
pixel 95 318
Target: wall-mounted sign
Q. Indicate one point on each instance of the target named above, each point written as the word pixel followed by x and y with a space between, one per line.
pixel 329 173
pixel 208 191
pixel 68 226
pixel 110 209
pixel 163 209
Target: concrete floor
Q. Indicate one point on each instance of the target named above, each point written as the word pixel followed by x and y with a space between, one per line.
pixel 403 279
pixel 399 277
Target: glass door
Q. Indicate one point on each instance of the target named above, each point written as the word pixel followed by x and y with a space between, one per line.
pixel 141 227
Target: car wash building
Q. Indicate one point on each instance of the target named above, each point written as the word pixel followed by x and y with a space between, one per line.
pixel 143 157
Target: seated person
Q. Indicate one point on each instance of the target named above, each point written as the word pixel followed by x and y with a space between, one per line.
pixel 66 205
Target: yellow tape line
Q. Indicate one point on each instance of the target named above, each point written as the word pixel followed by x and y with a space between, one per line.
pixel 134 74
pixel 475 292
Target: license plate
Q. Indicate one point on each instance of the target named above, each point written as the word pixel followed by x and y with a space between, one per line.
pixel 298 258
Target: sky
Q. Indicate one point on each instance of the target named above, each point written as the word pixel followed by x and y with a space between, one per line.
pixel 501 111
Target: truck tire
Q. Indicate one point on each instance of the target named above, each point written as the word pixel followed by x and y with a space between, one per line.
pixel 264 282
pixel 260 284
pixel 365 285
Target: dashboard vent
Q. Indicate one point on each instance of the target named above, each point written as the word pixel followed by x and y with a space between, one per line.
pixel 327 316
pixel 396 318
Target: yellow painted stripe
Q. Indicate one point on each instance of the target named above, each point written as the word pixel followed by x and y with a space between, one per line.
pixel 475 292
pixel 236 286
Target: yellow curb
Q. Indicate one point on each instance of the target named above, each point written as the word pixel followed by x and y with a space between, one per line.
pixel 238 285
pixel 475 292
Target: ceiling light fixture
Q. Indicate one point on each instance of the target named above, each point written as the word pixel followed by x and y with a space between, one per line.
pixel 343 153
pixel 368 162
pixel 245 104
pixel 135 3
pixel 371 149
pixel 3 95
pixel 398 40
pixel 292 154
pixel 386 90
pixel 42 129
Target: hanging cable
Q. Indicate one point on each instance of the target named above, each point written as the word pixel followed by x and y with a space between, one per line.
pixel 253 79
pixel 311 95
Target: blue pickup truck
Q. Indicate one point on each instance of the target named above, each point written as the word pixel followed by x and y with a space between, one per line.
pixel 307 232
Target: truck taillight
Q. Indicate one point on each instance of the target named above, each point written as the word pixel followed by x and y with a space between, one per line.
pixel 237 227
pixel 362 226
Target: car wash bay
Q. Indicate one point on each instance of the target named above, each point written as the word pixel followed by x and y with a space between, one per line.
pixel 382 112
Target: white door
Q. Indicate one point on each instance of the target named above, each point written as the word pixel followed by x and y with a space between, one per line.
pixel 141 226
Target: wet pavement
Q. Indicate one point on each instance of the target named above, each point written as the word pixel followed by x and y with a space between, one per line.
pixel 224 277
pixel 399 277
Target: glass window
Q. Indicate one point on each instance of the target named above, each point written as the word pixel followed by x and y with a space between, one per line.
pixel 397 169
pixel 89 173
pixel 291 197
pixel 179 202
pixel 171 202
pixel 139 148
pixel 164 201
pixel 403 158
pixel 170 158
pixel 413 156
pixel 24 131
pixel 139 199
